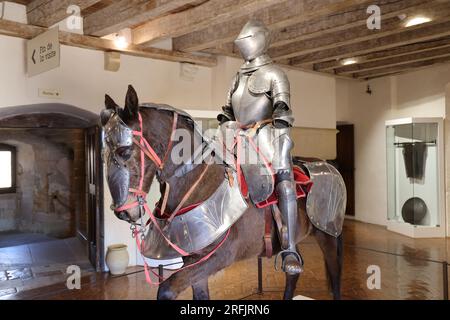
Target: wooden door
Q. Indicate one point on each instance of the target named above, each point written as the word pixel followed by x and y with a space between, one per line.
pixel 94 197
pixel 346 162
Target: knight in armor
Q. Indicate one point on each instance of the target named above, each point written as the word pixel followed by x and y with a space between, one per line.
pixel 260 95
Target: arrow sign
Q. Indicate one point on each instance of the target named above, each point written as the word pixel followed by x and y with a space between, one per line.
pixel 43 52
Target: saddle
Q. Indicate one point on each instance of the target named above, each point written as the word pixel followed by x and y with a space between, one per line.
pixel 256 176
pixel 302 181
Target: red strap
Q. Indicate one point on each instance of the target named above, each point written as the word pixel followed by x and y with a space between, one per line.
pixel 146 267
pixel 165 198
pixel 127 206
pixel 188 194
pixel 145 146
pixel 238 166
pixel 174 246
pixel 148 151
pixel 140 246
pixel 179 213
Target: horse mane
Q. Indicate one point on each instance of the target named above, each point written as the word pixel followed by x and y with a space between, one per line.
pixel 184 118
pixel 166 107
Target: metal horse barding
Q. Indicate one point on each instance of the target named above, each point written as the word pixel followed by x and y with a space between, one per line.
pixel 132 168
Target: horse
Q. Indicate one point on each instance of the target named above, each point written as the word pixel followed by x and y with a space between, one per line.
pixel 245 238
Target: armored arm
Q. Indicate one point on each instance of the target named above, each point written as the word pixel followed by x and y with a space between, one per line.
pixel 282 121
pixel 227 110
pixel 281 94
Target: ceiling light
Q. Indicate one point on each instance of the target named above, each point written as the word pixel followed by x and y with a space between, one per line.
pixel 416 21
pixel 120 42
pixel 349 61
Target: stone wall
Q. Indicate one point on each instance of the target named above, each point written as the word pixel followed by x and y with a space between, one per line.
pixel 50 181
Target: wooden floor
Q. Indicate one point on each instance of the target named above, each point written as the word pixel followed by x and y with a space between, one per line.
pixel 410 269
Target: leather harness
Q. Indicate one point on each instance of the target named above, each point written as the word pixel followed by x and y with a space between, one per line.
pixel 147 150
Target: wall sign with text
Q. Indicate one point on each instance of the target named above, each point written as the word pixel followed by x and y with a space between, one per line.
pixel 43 52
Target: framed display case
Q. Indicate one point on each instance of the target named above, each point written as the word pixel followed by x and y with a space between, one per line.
pixel 415 177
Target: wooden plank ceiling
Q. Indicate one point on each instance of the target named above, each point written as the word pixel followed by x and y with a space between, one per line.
pixel 327 36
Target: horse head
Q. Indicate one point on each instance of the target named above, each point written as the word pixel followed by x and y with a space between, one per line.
pixel 129 176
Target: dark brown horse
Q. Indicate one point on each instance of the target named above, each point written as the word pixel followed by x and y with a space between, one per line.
pixel 245 239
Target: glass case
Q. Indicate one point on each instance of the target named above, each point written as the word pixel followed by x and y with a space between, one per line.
pixel 415 177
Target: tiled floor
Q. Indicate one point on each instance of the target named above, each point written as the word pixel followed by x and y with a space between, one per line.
pixel 55 251
pixel 35 265
pixel 406 276
pixel 15 238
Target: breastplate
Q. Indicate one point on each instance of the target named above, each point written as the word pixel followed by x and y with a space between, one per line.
pixel 250 107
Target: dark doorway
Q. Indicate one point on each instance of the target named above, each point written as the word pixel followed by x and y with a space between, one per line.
pixel 53 215
pixel 94 198
pixel 346 162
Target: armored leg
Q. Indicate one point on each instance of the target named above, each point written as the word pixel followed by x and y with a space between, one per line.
pixel 287 203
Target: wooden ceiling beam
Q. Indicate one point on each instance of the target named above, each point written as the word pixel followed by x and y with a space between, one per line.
pixel 210 13
pixel 15 29
pixel 24 2
pixel 390 26
pixel 124 14
pixel 46 13
pixel 409 36
pixel 284 14
pixel 396 61
pixel 96 7
pixel 400 68
pixel 349 18
pixel 224 50
pixel 390 53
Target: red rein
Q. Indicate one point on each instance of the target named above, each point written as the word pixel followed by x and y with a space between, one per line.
pixel 147 150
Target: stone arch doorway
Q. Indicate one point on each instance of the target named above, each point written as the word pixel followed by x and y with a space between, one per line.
pixel 59 184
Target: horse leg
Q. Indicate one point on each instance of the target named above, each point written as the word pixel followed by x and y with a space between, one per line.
pixel 291 284
pixel 243 242
pixel 197 276
pixel 332 250
pixel 200 290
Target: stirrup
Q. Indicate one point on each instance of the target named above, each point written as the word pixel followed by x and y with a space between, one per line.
pixel 297 255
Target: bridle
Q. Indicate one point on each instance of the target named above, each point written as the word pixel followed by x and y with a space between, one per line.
pixel 146 150
pixel 139 229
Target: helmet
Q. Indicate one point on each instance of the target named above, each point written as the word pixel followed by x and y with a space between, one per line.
pixel 254 40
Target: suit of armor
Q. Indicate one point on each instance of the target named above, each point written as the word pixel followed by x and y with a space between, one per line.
pixel 260 93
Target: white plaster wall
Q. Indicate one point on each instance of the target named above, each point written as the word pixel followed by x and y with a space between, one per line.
pixel 422 93
pixel 83 83
pixel 447 156
pixel 343 110
pixel 416 94
pixel 313 99
pixel 368 113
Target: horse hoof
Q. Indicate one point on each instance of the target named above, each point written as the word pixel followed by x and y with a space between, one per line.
pixel 165 294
